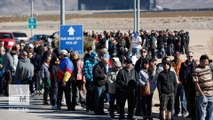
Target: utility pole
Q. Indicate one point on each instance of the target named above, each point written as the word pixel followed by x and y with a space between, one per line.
pixel 135 15
pixel 138 16
pixel 31 17
pixel 62 12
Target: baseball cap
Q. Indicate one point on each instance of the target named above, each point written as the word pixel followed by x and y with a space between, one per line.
pixel 63 52
pixel 118 64
pixel 128 61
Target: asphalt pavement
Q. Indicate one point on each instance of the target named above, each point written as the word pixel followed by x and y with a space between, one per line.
pixel 37 111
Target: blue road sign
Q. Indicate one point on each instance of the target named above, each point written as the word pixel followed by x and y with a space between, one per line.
pixel 71 37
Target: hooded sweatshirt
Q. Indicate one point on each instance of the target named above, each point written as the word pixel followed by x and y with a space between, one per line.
pixel 24 70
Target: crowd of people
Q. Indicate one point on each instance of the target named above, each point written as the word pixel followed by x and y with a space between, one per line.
pixel 119 67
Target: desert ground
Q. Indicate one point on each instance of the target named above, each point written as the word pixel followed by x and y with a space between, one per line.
pixel 198 23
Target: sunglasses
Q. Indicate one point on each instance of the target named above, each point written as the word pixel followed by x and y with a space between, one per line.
pixel 190 56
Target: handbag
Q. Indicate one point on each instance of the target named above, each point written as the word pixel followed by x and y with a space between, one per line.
pixel 83 94
pixel 145 89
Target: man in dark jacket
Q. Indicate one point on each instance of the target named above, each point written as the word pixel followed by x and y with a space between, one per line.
pixel 139 62
pixel 185 75
pixel 126 84
pixel 99 79
pixel 167 85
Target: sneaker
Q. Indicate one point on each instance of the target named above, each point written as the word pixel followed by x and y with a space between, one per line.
pixel 177 115
pixel 54 107
pixel 32 94
pixel 63 103
pixel 185 114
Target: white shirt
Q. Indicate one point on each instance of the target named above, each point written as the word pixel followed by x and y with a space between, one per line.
pixel 136 42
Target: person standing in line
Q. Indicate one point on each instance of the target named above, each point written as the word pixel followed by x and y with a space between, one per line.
pixel 185 75
pixel 54 62
pixel 144 79
pixel 24 70
pixel 8 69
pixel 153 80
pixel 88 73
pixel 167 85
pixel 111 80
pixel 64 73
pixel 138 67
pixel 37 64
pixel 99 79
pixel 136 44
pixel 202 77
pixel 46 82
pixel 77 78
pixel 180 95
pixel 126 82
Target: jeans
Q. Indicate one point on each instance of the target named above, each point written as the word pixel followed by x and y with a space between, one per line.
pixel 205 107
pixel 161 53
pixel 136 51
pixel 170 49
pixel 191 102
pixel 99 92
pixel 180 96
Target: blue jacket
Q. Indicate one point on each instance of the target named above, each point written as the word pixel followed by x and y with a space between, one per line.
pixel 87 69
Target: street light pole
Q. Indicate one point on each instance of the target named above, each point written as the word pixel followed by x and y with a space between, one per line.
pixel 135 15
pixel 62 12
pixel 138 16
pixel 31 18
